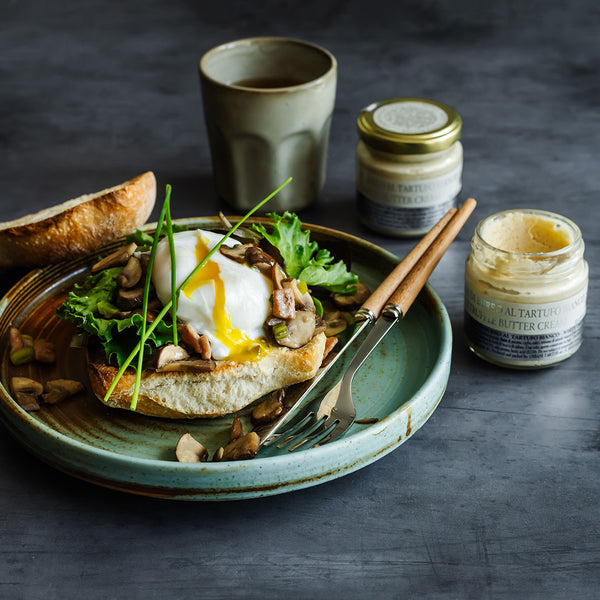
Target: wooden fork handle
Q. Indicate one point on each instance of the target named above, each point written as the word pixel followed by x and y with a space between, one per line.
pixel 409 289
pixel 380 296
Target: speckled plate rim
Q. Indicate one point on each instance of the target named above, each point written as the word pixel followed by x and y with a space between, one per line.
pixel 245 479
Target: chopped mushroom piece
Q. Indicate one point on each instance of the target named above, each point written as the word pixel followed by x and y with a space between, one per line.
pixel 190 450
pixel 334 323
pixel 27 391
pixel 119 257
pixel 218 455
pixel 237 431
pixel 188 366
pixel 44 351
pixel 16 339
pixel 330 344
pixel 277 275
pixel 257 257
pixel 302 300
pixel 131 273
pixel 299 330
pixel 169 354
pixel 237 252
pixel 268 410
pixel 57 390
pixel 130 299
pixel 349 301
pixel 198 343
pixel 284 306
pixel 243 448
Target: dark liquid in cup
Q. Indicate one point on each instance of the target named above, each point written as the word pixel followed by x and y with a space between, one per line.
pixel 269 82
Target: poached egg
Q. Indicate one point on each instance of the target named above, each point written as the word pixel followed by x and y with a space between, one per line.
pixel 227 301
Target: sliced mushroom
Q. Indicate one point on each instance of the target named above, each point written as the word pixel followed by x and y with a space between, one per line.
pixel 330 344
pixel 188 366
pixel 44 351
pixel 268 410
pixel 348 301
pixel 237 252
pixel 277 275
pixel 119 257
pixel 302 300
pixel 284 306
pixel 272 320
pixel 130 299
pixel 199 344
pixel 244 448
pixel 169 354
pixel 58 390
pixel 26 392
pixel 237 431
pixel 334 323
pixel 225 221
pixel 190 450
pixel 218 455
pixel 131 274
pixel 16 339
pixel 300 330
pixel 257 257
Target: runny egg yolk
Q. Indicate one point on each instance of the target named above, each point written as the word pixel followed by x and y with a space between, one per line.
pixel 241 347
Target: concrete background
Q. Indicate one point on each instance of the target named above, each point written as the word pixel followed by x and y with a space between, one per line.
pixel 497 496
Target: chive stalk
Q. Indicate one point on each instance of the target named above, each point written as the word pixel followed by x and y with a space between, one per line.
pixel 173 274
pixel 147 331
pixel 138 374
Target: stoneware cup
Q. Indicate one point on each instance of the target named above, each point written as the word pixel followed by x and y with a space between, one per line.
pixel 268 103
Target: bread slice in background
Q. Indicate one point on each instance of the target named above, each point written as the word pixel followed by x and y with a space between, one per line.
pixel 79 226
pixel 227 389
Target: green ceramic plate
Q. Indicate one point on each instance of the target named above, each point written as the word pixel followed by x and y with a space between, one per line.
pixel 399 386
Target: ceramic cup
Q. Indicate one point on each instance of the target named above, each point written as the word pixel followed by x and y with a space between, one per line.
pixel 267 104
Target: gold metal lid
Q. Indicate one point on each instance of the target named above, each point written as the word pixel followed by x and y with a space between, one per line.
pixel 409 126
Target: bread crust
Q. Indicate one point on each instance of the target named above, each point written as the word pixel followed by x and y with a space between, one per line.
pixel 229 388
pixel 79 226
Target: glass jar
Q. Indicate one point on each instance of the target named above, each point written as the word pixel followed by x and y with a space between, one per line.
pixel 409 165
pixel 525 289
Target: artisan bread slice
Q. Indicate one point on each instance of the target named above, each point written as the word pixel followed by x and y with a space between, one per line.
pixel 227 389
pixel 79 226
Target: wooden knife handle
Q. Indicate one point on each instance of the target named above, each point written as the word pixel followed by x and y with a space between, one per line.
pixel 381 295
pixel 413 283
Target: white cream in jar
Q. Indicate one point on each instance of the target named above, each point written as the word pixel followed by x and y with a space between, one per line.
pixel 409 164
pixel 525 289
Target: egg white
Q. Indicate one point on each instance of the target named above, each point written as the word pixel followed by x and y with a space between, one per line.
pixel 247 292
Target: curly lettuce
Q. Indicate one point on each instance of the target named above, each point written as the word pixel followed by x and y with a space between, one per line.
pixel 304 260
pixel 86 307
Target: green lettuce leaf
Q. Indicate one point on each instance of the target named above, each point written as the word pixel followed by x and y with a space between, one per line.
pixel 117 336
pixel 304 260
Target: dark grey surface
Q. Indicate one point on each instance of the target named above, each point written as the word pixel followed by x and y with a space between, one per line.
pixel 498 495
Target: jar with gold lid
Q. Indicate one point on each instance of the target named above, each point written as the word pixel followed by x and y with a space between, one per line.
pixel 409 165
pixel 525 289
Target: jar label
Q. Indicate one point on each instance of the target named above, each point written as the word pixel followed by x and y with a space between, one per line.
pixel 400 205
pixel 524 332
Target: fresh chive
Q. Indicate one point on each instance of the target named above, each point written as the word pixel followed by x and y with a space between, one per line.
pixel 138 374
pixel 140 345
pixel 318 306
pixel 173 275
pixel 280 330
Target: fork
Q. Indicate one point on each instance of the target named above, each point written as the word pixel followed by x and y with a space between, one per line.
pixel 336 411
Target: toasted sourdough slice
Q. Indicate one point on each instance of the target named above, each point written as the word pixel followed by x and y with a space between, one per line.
pixel 79 226
pixel 227 389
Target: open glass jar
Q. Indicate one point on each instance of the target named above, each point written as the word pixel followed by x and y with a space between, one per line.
pixel 525 289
